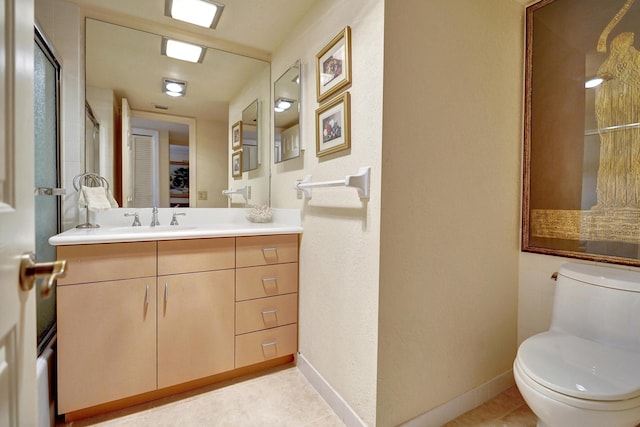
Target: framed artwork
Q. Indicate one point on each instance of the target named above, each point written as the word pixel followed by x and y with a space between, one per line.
pixel 236 135
pixel 333 66
pixel 179 179
pixel 333 121
pixel 581 166
pixel 236 164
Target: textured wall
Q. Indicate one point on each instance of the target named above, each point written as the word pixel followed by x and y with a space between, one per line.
pixel 340 245
pixel 450 200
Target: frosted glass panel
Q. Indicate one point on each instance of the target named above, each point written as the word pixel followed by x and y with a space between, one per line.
pixel 46 173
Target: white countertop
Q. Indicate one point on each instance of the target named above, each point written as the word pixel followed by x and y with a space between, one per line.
pixel 197 223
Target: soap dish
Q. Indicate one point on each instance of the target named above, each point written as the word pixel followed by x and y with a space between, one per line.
pixel 260 214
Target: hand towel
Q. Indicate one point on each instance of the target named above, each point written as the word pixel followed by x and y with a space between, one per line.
pixel 93 198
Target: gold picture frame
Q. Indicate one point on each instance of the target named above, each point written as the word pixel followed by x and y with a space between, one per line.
pixel 236 135
pixel 333 126
pixel 333 66
pixel 236 164
pixel 581 162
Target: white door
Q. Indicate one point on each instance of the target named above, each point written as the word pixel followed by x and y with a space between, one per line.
pixel 17 307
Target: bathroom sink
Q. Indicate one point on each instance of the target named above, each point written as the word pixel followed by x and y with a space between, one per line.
pixel 147 229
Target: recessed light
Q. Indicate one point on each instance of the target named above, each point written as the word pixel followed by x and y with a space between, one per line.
pixel 183 51
pixel 204 13
pixel 173 87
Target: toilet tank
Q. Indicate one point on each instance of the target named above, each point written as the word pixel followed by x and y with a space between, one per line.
pixel 598 303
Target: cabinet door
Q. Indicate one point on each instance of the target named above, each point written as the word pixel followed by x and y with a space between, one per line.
pixel 106 342
pixel 195 326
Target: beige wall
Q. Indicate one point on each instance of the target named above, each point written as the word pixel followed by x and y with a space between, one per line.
pixel 212 162
pixel 450 200
pixel 340 244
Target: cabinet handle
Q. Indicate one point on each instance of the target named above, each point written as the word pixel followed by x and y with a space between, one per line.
pixel 269 279
pixel 267 344
pixel 272 311
pixel 166 292
pixel 146 296
pixel 265 250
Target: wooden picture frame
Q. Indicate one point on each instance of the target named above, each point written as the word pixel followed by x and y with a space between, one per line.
pixel 236 164
pixel 333 66
pixel 581 165
pixel 333 123
pixel 236 135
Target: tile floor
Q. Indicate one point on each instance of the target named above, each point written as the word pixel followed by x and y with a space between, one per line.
pixel 283 397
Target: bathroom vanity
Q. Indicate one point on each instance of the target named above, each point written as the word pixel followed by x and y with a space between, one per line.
pixel 141 318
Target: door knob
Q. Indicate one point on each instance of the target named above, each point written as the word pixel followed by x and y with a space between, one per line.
pixel 30 270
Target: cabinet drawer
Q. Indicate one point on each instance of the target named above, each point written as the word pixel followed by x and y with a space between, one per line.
pixel 259 346
pixel 103 262
pixel 264 281
pixel 264 250
pixel 264 313
pixel 186 256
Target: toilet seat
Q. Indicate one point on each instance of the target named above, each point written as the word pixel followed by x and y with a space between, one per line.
pixel 580 369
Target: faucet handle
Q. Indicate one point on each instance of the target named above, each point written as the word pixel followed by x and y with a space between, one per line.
pixel 174 220
pixel 136 219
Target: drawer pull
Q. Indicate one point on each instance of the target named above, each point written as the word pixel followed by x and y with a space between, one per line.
pixel 270 251
pixel 268 344
pixel 146 296
pixel 273 311
pixel 273 281
pixel 166 292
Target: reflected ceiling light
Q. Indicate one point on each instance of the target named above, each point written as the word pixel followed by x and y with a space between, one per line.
pixel 283 104
pixel 183 51
pixel 173 87
pixel 594 82
pixel 205 13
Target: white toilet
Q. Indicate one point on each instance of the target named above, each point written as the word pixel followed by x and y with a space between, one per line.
pixel 585 370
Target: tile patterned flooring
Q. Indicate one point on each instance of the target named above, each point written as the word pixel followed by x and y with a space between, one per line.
pixel 283 397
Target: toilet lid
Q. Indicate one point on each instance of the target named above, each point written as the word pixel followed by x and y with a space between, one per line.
pixel 580 368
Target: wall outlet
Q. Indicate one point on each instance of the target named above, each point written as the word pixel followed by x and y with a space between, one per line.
pixel 202 195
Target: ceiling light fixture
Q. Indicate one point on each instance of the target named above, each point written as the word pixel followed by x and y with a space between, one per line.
pixel 183 51
pixel 283 104
pixel 173 87
pixel 205 13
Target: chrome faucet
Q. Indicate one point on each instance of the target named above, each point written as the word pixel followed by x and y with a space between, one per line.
pixel 154 217
pixel 136 219
pixel 174 220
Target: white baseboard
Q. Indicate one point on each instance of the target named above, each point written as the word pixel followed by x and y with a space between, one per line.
pixel 333 399
pixel 472 399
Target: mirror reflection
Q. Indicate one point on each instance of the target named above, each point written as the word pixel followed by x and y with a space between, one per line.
pixel 126 64
pixel 250 136
pixel 286 95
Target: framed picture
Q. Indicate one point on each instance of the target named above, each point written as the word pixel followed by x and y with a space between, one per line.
pixel 179 179
pixel 333 66
pixel 332 126
pixel 236 135
pixel 236 164
pixel 581 166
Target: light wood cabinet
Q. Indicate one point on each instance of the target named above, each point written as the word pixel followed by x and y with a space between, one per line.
pixel 266 298
pixel 106 341
pixel 195 326
pixel 139 319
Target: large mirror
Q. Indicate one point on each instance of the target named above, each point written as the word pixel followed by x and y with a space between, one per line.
pixel 286 95
pixel 187 134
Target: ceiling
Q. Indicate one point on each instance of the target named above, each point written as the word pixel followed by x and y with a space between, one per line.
pixel 128 61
